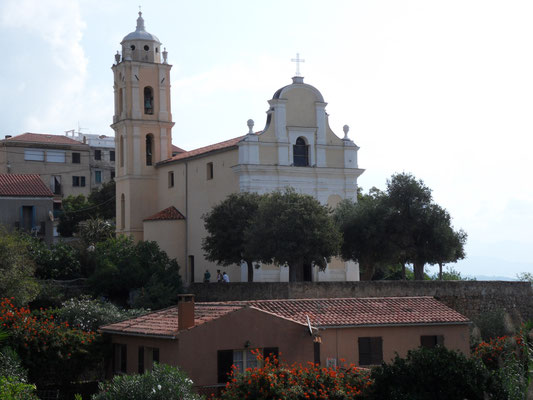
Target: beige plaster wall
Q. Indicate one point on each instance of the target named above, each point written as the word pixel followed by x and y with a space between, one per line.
pixel 300 107
pixel 170 236
pixel 343 343
pixel 203 195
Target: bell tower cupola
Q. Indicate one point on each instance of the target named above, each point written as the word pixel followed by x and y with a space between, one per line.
pixel 141 45
pixel 142 123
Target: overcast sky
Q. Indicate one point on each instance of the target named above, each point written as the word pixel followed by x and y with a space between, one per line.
pixel 439 89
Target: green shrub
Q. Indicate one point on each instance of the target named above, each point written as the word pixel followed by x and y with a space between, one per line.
pixel 11 365
pixel 436 374
pixel 162 383
pixel 491 324
pixel 88 314
pixel 12 389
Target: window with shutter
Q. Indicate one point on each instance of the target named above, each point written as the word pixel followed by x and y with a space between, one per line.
pixel 224 363
pixel 370 350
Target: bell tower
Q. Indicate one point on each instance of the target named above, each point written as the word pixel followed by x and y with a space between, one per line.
pixel 142 124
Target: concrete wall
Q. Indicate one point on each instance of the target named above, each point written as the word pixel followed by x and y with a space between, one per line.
pixel 468 297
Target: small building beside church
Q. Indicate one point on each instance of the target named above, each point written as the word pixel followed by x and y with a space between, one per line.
pixel 295 148
pixel 206 339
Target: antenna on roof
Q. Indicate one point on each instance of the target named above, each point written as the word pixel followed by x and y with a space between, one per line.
pixel 309 325
pixel 80 128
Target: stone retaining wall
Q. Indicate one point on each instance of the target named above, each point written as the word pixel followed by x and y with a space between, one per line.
pixel 468 297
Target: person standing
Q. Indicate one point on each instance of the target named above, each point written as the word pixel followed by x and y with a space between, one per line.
pixel 219 276
pixel 225 277
pixel 207 276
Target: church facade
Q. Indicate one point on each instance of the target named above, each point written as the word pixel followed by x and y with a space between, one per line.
pixel 162 197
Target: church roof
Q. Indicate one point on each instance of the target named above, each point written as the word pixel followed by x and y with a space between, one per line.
pixel 204 150
pixel 176 149
pixel 323 313
pixel 43 138
pixel 23 185
pixel 168 214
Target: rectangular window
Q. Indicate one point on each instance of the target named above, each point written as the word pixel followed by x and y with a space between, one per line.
pixel 55 156
pixel 120 360
pixel 98 176
pixel 141 360
pixel 209 171
pixel 242 359
pixel 171 179
pixel 98 154
pixel 33 155
pixel 370 350
pixel 76 158
pixel 112 174
pixel 55 184
pixel 112 155
pixel 430 342
pixel 82 181
pixel 75 181
pixel 146 358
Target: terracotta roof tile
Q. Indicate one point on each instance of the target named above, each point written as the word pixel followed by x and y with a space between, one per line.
pixel 23 185
pixel 43 138
pixel 176 149
pixel 363 311
pixel 169 213
pixel 342 312
pixel 165 322
pixel 203 150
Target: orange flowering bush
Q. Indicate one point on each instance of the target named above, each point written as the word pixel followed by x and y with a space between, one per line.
pixel 52 351
pixel 490 352
pixel 278 380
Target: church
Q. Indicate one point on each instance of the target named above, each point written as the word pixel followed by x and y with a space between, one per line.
pixel 162 191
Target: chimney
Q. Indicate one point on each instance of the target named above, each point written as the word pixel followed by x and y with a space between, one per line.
pixel 185 311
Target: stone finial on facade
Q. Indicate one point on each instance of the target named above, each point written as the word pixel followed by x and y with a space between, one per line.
pixel 346 129
pixel 165 55
pixel 250 126
pixel 117 57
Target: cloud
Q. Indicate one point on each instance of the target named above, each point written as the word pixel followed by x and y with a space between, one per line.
pixel 58 66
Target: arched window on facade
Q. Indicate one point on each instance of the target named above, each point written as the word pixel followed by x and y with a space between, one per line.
pixel 148 100
pixel 149 148
pixel 120 101
pixel 121 151
pixel 301 153
pixel 122 211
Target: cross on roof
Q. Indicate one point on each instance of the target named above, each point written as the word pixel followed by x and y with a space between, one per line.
pixel 297 60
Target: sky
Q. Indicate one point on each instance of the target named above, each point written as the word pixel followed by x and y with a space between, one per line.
pixel 442 90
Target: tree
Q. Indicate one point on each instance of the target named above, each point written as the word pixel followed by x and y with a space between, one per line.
pixel 122 267
pixel 420 229
pixel 292 229
pixel 365 232
pixel 75 209
pixel 99 205
pixel 103 201
pixel 226 225
pixel 17 268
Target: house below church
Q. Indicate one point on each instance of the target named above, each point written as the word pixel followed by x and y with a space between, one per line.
pixel 206 339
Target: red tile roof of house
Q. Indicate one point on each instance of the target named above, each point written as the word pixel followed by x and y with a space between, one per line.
pixel 164 323
pixel 203 150
pixel 43 138
pixel 363 311
pixel 342 312
pixel 23 185
pixel 169 213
